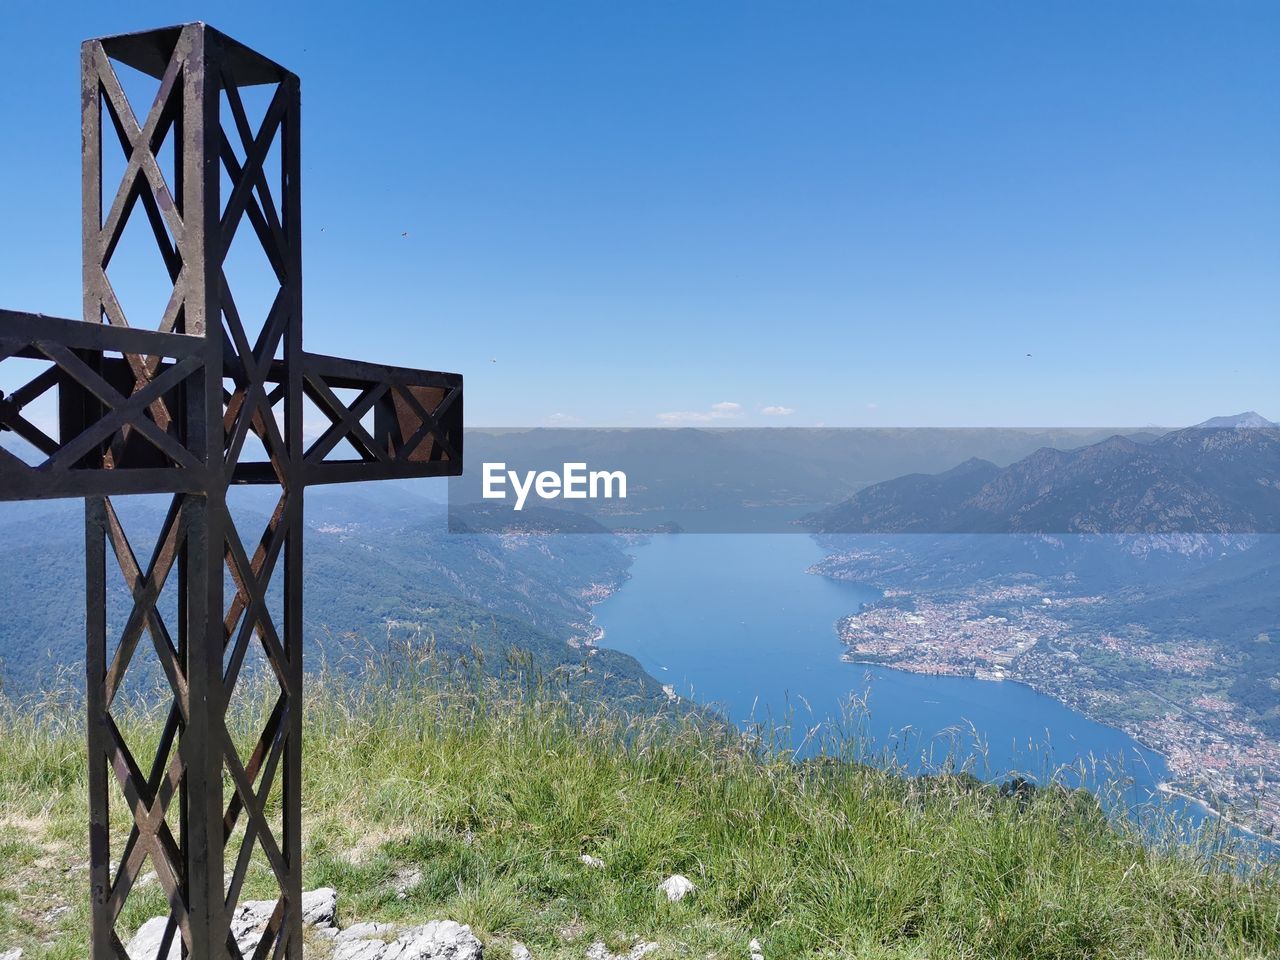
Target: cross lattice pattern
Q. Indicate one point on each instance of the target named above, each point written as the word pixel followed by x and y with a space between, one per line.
pixel 175 409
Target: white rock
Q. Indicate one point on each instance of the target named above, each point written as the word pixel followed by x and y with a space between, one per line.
pixel 595 863
pixel 248 922
pixel 520 952
pixel 677 887
pixel 319 910
pixel 320 907
pixel 754 946
pixel 360 950
pixel 249 919
pixel 365 931
pixel 14 954
pixel 145 944
pixel 437 940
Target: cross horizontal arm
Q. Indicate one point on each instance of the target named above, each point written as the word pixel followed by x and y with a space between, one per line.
pixel 98 337
pixel 402 424
pixel 113 435
pixel 116 435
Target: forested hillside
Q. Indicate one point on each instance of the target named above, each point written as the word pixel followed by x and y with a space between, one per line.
pixel 381 570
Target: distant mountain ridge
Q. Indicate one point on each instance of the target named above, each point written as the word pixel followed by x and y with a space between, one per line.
pixel 1220 476
pixel 1241 421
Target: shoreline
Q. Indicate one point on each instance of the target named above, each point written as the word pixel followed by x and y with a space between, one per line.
pixel 1137 735
pixel 1008 678
pixel 595 594
pixel 1246 810
pixel 1138 757
pixel 1170 790
pixel 1165 787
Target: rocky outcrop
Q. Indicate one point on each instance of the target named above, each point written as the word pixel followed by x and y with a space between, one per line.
pixel 319 910
pixel 437 940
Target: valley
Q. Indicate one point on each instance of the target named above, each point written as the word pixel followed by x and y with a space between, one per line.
pixel 1162 634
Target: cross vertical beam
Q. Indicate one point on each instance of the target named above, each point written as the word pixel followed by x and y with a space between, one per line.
pixel 291 793
pixel 203 844
pixel 194 226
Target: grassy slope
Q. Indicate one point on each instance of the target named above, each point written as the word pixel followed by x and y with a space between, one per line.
pixel 482 805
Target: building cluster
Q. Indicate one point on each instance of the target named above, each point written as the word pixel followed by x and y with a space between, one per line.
pixel 1215 754
pixel 955 637
pixel 1230 765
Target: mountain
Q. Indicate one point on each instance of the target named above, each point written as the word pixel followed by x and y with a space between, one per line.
pixel 1222 476
pixel 934 499
pixel 1241 421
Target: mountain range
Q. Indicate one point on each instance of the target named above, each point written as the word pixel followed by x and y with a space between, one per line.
pixel 1218 477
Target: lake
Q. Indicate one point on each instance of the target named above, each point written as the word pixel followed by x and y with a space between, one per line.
pixel 734 620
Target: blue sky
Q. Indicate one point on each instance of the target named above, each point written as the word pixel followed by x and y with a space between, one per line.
pixel 648 213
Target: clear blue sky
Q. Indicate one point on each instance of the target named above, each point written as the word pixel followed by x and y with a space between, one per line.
pixel 862 213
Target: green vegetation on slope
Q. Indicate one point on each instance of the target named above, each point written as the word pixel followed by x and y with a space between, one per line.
pixel 427 799
pixel 383 571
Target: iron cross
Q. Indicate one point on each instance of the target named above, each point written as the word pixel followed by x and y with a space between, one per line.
pixel 166 405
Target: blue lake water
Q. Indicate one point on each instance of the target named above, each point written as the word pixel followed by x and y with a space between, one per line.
pixel 734 620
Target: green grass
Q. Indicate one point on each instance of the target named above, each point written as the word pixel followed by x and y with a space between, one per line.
pixel 476 803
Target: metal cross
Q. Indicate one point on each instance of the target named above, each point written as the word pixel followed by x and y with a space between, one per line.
pixel 168 410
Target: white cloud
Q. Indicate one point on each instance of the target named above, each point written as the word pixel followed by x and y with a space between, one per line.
pixel 724 410
pixel 559 418
pixel 778 411
pixel 873 406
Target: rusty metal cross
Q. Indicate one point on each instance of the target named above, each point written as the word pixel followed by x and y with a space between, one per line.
pixel 165 406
